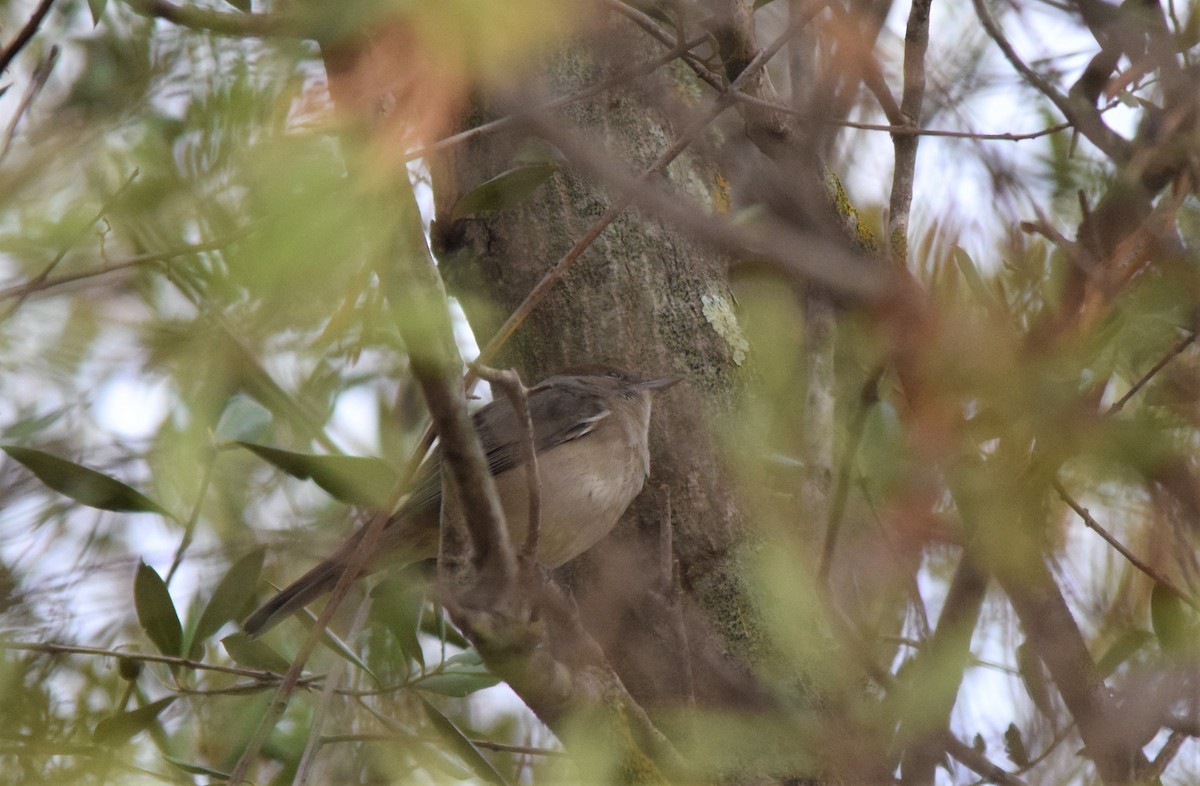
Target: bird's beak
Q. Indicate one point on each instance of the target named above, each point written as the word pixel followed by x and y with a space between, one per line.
pixel 658 384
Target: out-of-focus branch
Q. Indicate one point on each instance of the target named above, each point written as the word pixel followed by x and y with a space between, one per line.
pixel 930 692
pixel 655 30
pixel 1051 628
pixel 616 80
pixel 238 25
pixel 868 397
pixel 24 35
pixel 1081 114
pixel 807 256
pixel 737 41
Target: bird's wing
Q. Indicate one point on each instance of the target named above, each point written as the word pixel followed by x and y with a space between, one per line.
pixel 559 415
pixel 568 415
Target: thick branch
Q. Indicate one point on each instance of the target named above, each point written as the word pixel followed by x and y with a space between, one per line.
pixel 937 675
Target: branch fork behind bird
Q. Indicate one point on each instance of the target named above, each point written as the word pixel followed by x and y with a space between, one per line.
pixel 589 428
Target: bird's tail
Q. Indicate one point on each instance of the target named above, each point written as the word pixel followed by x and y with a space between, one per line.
pixel 404 539
pixel 296 595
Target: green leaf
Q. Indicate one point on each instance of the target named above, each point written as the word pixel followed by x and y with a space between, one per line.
pixel 254 653
pixel 123 727
pixel 437 626
pixel 241 5
pixel 156 612
pixel 353 479
pixel 1174 623
pixel 461 745
pixel 195 769
pixel 97 8
pixel 231 600
pixel 1122 650
pixel 397 603
pixel 242 419
pixel 459 676
pixel 506 190
pixel 27 427
pixel 966 266
pixel 85 486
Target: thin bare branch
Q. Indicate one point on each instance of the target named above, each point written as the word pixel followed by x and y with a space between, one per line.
pixel 647 23
pixel 51 648
pixel 1086 118
pixel 43 283
pixel 1121 549
pixel 25 34
pixel 1172 353
pixel 62 253
pixel 509 383
pixel 36 83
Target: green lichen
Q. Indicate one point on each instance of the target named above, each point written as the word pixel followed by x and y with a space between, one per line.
pixel 719 314
pixel 862 235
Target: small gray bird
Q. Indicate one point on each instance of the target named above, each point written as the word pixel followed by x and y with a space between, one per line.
pixel 590 431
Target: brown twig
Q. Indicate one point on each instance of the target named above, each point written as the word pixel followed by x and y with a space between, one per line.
pixel 500 747
pixel 41 277
pixel 1096 527
pixel 25 35
pixel 1086 119
pixel 509 383
pixel 655 30
pixel 321 708
pixel 43 282
pixel 51 648
pixel 1172 353
pixel 946 133
pixel 36 83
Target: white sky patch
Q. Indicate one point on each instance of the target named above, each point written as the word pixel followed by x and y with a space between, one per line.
pixel 355 419
pixel 129 407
